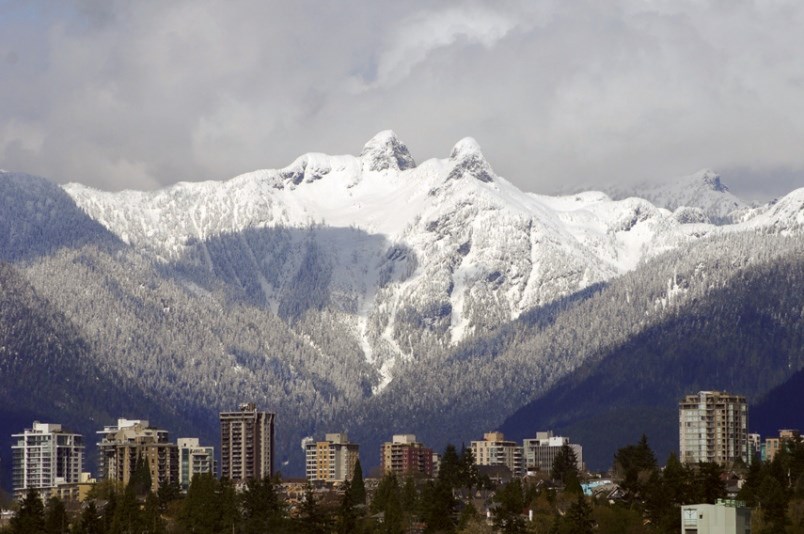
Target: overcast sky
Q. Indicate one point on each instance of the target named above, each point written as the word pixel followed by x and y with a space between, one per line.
pixel 560 95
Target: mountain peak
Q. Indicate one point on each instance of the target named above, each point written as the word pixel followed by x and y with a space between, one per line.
pixel 466 147
pixel 386 151
pixel 469 160
pixel 710 180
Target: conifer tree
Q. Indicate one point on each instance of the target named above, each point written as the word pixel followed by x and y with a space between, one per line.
pixel 358 487
pixel 151 520
pixel 347 517
pixel 199 513
pixel 565 465
pixel 449 470
pixel 90 521
pixel 311 519
pixel 30 518
pixel 56 521
pixel 469 473
pixel 579 517
pixel 437 506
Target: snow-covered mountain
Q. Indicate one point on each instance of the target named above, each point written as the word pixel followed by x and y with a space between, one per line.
pixel 699 196
pixel 374 294
pixel 409 257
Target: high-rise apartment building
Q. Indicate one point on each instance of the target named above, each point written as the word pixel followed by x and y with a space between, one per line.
pixel 331 460
pixel 194 459
pixel 494 450
pixel 247 443
pixel 404 456
pixel 132 442
pixel 539 452
pixel 713 427
pixel 46 456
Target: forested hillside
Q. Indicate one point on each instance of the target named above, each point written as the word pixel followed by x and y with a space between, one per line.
pixel 718 313
pixel 442 321
pixel 773 412
pixel 745 336
pixel 49 372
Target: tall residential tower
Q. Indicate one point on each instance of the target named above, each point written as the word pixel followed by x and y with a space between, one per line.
pixel 46 456
pixel 713 427
pixel 247 443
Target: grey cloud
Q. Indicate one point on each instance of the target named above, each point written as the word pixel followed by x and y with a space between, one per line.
pixel 560 95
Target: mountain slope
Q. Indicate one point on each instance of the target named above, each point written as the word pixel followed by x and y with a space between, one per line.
pixel 746 336
pixel 43 351
pixel 374 295
pixel 423 256
pixel 472 389
pixel 38 217
pixel 772 412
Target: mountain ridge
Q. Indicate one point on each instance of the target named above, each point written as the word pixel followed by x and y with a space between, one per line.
pixel 358 292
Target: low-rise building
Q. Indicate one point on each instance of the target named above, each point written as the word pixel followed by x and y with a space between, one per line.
pixel 775 444
pixel 404 456
pixel 331 460
pixel 723 517
pixel 539 452
pixel 754 447
pixel 495 450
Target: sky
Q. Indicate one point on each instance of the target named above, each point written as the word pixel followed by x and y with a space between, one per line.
pixel 561 96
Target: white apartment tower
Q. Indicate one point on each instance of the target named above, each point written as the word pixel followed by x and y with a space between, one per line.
pixel 331 460
pixel 194 459
pixel 713 427
pixel 46 456
pixel 494 450
pixel 247 443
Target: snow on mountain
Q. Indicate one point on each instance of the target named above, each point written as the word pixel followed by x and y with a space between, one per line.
pixel 703 189
pixel 38 218
pixel 783 216
pixel 409 257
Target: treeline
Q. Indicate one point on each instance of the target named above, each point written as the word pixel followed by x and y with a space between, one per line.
pixel 647 500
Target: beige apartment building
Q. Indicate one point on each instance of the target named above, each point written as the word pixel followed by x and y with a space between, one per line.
pixel 133 440
pixel 713 427
pixel 331 460
pixel 494 450
pixel 774 445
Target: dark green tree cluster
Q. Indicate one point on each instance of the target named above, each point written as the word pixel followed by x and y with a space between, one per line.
pixel 776 490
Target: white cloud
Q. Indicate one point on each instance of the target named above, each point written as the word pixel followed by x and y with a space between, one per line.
pixel 422 33
pixel 564 94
